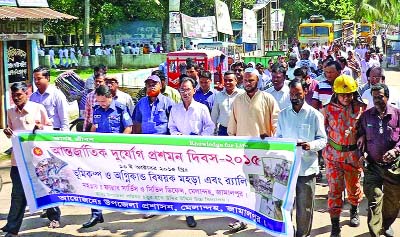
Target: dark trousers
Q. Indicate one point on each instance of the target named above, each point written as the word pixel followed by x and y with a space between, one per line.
pixel 222 131
pixel 97 213
pixel 18 203
pixel 382 189
pixel 305 192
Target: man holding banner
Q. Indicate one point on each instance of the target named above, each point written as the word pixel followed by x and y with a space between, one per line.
pixel 306 124
pixel 25 115
pixel 109 116
pixel 255 114
pixel 190 118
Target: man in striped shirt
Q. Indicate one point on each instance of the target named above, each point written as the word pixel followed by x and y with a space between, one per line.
pixel 323 91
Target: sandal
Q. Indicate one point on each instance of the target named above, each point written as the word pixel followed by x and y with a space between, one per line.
pixel 237 226
pixel 54 224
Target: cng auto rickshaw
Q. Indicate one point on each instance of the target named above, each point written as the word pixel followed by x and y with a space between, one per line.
pixel 214 61
pixel 393 50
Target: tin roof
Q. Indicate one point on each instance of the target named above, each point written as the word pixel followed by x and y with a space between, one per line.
pixel 17 13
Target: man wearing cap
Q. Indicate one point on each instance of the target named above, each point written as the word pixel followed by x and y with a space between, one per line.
pixel 378 139
pixel 205 94
pixel 166 90
pixel 291 66
pixel 151 113
pixel 280 89
pixel 254 113
pixel 121 97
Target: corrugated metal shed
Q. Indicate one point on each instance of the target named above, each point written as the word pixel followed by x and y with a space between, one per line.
pixel 16 13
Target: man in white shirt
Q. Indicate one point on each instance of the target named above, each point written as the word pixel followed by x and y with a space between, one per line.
pixel 66 52
pixel 61 56
pixel 280 89
pixel 51 54
pixel 190 118
pixel 98 51
pixel 74 61
pixel 291 66
pixel 222 107
pixel 377 75
pixel 302 122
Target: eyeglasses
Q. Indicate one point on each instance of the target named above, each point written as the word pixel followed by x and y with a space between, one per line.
pixel 111 82
pixel 238 70
pixel 184 91
pixel 377 78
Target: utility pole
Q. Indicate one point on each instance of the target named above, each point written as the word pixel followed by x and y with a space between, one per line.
pixel 86 28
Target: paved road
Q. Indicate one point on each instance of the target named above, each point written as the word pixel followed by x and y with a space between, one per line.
pixel 130 224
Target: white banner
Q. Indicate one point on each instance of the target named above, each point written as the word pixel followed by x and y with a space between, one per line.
pixel 175 23
pixel 33 3
pixel 249 32
pixel 224 24
pixel 248 179
pixel 199 27
pixel 277 19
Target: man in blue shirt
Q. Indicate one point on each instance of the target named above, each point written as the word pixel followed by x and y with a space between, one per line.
pixel 151 113
pixel 205 94
pixel 109 116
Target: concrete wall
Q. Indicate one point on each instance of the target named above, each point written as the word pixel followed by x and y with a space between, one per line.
pixel 128 60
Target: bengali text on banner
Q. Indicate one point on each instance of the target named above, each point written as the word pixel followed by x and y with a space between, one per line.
pixel 248 179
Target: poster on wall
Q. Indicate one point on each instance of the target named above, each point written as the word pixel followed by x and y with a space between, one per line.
pixel 199 27
pixel 33 3
pixel 11 3
pixel 223 18
pixel 175 23
pixel 277 19
pixel 17 61
pixel 249 26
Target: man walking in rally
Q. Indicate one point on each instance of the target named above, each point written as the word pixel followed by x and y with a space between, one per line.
pixel 56 105
pixel 378 139
pixel 190 118
pixel 255 114
pixel 24 115
pixel 343 169
pixel 109 116
pixel 306 124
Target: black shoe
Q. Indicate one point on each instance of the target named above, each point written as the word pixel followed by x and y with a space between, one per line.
pixel 354 218
pixel 93 221
pixel 191 222
pixel 43 214
pixel 335 232
pixel 319 177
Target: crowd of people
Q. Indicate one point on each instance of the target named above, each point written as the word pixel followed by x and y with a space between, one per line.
pixel 70 57
pixel 332 99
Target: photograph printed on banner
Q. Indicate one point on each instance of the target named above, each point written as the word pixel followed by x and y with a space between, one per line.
pixel 260 185
pixel 276 169
pixel 271 207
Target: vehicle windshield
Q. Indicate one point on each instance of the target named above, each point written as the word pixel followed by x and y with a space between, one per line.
pixel 365 28
pixel 321 31
pixel 306 31
pixel 395 45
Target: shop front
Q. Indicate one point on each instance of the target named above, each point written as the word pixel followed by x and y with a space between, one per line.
pixel 20 30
